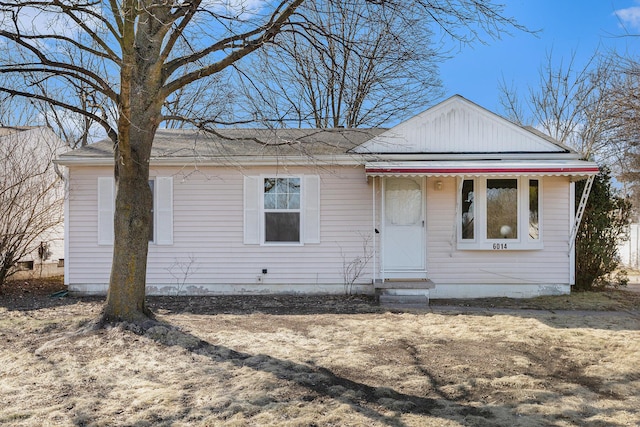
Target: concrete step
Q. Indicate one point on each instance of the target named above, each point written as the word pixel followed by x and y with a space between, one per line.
pixel 407 307
pixel 398 300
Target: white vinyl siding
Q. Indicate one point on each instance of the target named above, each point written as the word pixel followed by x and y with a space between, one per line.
pixel 457 126
pixel 209 231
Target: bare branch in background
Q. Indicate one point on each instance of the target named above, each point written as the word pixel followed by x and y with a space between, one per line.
pixel 571 104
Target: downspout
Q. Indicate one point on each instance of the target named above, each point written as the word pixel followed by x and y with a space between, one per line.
pixel 65 180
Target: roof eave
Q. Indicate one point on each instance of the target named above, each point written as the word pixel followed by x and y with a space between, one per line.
pixel 348 160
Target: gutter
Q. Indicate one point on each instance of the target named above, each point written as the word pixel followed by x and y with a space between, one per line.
pixel 355 159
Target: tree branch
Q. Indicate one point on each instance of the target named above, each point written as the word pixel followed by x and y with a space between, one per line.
pixel 102 121
pixel 266 32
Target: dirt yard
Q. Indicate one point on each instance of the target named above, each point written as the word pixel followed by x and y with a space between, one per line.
pixel 336 361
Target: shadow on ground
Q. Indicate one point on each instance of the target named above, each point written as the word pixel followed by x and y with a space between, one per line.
pixel 378 403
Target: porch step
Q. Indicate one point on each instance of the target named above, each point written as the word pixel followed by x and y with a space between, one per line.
pixel 404 293
pixel 405 284
pixel 402 300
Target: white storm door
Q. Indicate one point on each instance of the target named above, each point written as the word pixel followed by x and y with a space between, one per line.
pixel 404 225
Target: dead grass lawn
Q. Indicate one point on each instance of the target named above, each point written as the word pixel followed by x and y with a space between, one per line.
pixel 371 368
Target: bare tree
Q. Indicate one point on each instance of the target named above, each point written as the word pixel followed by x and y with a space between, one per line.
pixel 361 68
pixel 571 104
pixel 134 55
pixel 577 107
pixel 31 193
pixel 625 112
pixel 594 109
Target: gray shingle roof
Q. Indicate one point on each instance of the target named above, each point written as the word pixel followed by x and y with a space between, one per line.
pixel 193 144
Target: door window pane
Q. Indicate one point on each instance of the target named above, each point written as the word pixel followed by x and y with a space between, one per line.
pixel 403 201
pixel 502 208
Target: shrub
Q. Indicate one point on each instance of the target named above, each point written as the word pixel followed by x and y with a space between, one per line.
pixel 605 221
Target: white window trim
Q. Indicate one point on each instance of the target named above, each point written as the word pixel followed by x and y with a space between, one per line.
pixel 480 240
pixel 254 218
pixel 300 210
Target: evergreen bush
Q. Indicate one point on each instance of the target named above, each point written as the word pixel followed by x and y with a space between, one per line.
pixel 604 223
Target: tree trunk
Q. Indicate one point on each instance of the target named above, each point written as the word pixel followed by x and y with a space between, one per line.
pixel 139 111
pixel 126 296
pixel 134 201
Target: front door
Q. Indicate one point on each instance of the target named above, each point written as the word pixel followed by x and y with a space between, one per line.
pixel 404 239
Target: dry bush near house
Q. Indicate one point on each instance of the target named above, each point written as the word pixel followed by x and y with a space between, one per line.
pixel 287 361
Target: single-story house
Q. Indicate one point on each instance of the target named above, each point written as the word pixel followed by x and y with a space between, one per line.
pixel 456 197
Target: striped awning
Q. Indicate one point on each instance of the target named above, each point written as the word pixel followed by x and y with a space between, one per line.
pixel 574 168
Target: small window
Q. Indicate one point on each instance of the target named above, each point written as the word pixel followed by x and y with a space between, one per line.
pixel 25 265
pixel 281 199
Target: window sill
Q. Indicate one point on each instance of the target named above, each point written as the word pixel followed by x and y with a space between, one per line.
pixel 278 244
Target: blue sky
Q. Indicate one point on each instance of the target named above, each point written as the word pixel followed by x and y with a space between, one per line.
pixel 567 26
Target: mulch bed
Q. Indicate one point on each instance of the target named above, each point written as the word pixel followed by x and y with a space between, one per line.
pixel 30 294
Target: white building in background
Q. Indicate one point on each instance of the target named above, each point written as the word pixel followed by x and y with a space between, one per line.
pixel 37 147
pixel 629 249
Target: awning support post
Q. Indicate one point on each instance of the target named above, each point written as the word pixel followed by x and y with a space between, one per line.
pixel 375 247
pixel 580 211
